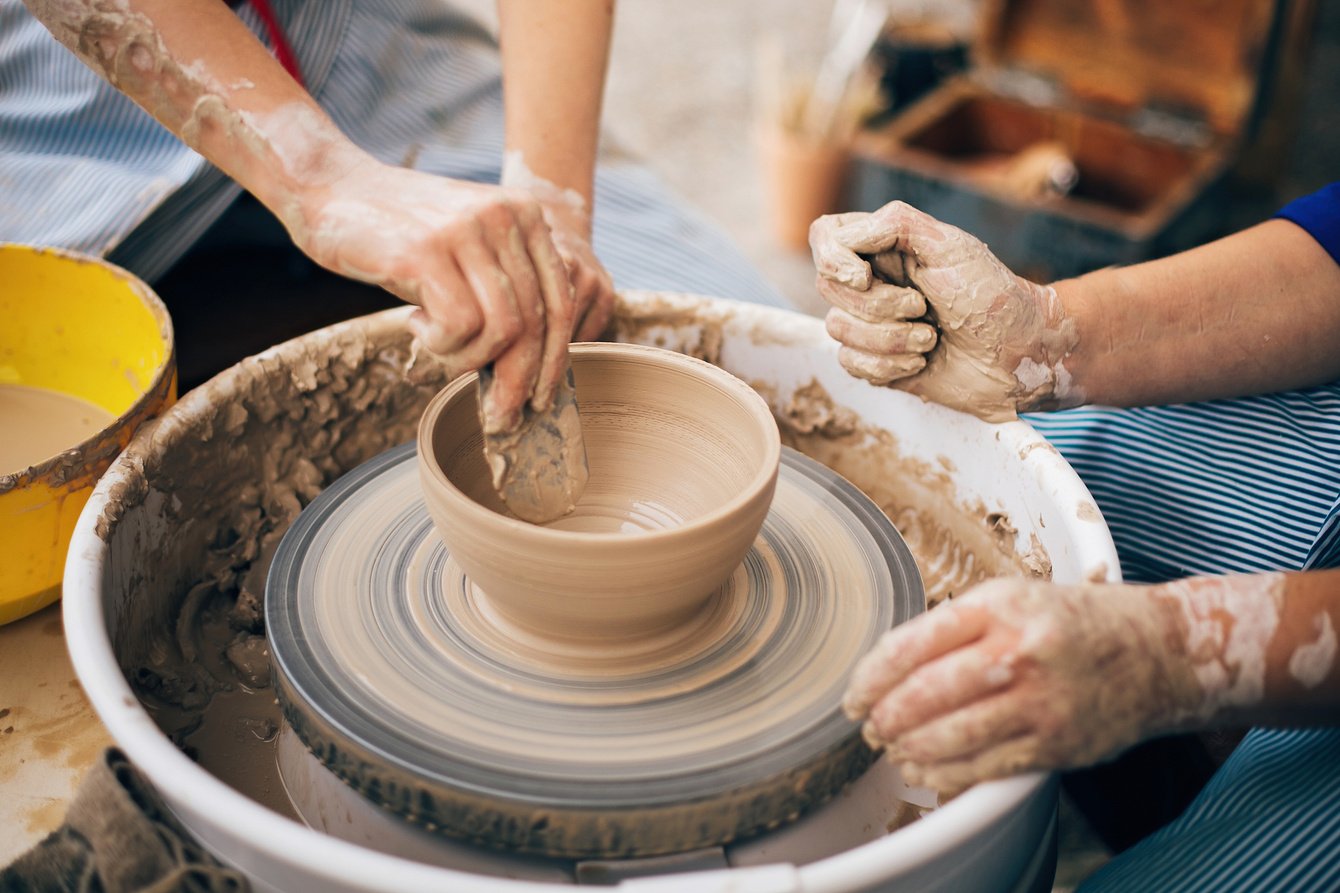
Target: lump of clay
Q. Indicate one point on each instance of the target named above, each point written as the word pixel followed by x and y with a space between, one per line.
pixel 250 657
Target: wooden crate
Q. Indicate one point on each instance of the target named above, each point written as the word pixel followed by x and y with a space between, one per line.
pixel 1152 101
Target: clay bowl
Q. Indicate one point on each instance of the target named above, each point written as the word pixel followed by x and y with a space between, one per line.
pixel 683 460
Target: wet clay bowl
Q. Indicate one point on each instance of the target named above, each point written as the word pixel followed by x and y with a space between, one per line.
pixel 683 460
pixel 86 356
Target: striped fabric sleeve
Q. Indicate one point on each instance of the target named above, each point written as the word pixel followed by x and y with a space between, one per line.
pixel 1319 214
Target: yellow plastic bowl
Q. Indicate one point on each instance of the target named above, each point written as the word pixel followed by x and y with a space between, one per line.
pixel 84 327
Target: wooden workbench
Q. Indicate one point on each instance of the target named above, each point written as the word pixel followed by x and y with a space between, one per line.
pixel 49 734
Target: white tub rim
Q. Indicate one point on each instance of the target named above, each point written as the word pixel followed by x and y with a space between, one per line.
pixel 183 783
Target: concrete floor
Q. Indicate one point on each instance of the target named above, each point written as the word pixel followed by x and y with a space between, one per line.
pixel 681 95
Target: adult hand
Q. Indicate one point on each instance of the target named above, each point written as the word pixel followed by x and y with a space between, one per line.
pixel 479 261
pixel 592 287
pixel 1018 675
pixel 927 307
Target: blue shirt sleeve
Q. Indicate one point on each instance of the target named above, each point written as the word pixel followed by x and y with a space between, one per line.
pixel 1319 214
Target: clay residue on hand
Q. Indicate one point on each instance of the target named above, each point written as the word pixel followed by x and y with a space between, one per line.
pixel 955 545
pixel 518 175
pixel 1227 624
pixel 1012 691
pixel 1003 341
pixel 1310 664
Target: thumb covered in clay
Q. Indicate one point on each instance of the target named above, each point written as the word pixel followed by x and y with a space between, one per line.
pixel 844 245
pixel 834 260
pixel 902 228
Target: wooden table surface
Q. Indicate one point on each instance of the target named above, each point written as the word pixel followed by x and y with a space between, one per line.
pixel 49 734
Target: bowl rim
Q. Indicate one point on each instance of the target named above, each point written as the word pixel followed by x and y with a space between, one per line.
pixel 761 482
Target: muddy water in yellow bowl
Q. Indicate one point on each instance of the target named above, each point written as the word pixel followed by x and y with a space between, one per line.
pixel 38 423
pixel 86 356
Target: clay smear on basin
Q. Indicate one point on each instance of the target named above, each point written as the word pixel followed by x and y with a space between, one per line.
pixel 38 423
pixel 955 544
pixel 291 425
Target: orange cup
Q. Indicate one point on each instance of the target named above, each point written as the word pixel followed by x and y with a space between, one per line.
pixel 803 178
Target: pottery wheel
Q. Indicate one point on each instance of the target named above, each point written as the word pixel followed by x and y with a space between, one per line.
pixel 392 667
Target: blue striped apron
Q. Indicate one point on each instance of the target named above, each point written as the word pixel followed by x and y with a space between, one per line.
pixel 1226 486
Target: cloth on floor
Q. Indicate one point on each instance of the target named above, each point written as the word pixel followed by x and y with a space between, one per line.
pixel 118 837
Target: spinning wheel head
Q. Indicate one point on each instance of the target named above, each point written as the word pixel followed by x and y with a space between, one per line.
pixel 403 678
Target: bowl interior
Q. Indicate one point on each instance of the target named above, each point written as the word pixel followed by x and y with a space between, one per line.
pixel 669 440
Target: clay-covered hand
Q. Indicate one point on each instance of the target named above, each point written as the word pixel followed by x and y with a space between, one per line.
pixel 478 260
pixel 592 287
pixel 1018 675
pixel 925 306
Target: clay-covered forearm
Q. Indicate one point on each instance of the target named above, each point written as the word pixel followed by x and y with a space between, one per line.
pixel 554 57
pixel 195 67
pixel 1016 675
pixel 1255 312
pixel 1258 648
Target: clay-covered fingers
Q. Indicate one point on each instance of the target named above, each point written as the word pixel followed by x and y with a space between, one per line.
pixel 507 258
pixel 598 303
pixel 880 353
pixel 478 260
pixel 448 317
pixel 883 338
pixel 896 228
pixel 982 724
pixel 834 260
pixel 559 319
pixel 905 648
pixel 513 325
pixel 947 685
pixel 878 369
pixel 1001 761
pixel 881 302
pixel 592 289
